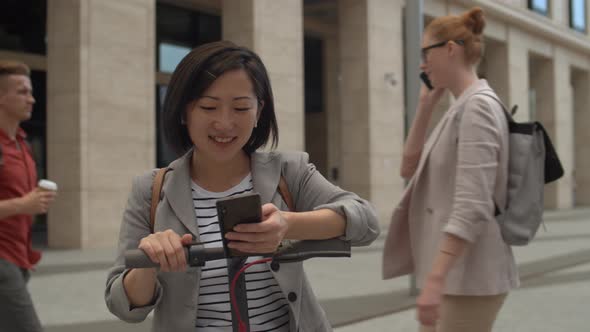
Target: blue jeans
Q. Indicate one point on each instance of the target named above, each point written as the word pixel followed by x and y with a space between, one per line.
pixel 17 313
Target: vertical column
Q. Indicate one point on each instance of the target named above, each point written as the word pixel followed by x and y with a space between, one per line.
pixel 497 69
pixel 253 23
pixel 518 80
pixel 559 11
pixel 100 124
pixel 354 96
pixel 542 78
pixel 581 86
pixel 562 131
pixel 372 108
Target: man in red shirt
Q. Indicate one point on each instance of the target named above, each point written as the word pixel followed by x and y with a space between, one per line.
pixel 20 199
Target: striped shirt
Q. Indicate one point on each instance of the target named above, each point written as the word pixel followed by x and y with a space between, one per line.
pixel 268 310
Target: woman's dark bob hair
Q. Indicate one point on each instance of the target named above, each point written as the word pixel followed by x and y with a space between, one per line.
pixel 196 72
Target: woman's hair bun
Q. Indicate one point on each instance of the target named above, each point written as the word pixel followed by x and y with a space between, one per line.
pixel 474 20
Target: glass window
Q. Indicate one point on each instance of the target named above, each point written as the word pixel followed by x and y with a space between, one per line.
pixel 315 116
pixel 578 15
pixel 314 75
pixel 35 127
pixel 22 26
pixel 539 6
pixel 178 31
pixel 165 155
pixel 37 138
pixel 170 56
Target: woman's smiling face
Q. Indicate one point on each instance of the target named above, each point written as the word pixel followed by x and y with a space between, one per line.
pixel 221 121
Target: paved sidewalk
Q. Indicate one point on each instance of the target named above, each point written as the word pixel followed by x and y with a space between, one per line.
pixel 564 243
pixel 68 285
pixel 555 302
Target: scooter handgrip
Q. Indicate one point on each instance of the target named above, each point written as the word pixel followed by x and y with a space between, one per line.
pixel 138 259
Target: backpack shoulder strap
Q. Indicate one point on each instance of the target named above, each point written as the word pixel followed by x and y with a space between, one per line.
pixel 491 95
pixel 494 97
pixel 285 194
pixel 156 190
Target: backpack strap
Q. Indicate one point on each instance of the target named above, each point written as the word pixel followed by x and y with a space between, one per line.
pixel 494 97
pixel 285 194
pixel 156 191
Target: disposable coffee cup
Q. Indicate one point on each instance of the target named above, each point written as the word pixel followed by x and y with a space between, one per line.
pixel 47 185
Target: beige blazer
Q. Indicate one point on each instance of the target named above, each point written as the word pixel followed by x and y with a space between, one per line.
pixel 175 303
pixel 458 175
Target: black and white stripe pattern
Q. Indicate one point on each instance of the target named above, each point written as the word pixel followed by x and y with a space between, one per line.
pixel 268 310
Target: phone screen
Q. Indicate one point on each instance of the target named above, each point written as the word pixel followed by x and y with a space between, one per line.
pixel 235 210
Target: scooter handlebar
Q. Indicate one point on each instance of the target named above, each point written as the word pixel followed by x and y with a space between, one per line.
pixel 197 254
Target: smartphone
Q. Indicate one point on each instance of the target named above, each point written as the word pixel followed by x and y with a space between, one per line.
pixel 426 80
pixel 235 210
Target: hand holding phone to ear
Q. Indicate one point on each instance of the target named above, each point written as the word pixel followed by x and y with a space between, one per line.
pixel 429 95
pixel 426 80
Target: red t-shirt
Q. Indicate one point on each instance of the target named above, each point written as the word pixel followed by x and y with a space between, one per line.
pixel 18 177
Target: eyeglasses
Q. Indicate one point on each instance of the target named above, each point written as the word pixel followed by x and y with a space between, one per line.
pixel 424 51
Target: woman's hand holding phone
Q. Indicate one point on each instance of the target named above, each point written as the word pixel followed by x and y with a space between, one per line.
pixel 262 237
pixel 429 95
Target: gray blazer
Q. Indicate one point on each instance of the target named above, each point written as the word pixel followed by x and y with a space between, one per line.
pixel 461 171
pixel 176 299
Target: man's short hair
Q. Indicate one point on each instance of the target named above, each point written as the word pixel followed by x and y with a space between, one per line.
pixel 8 67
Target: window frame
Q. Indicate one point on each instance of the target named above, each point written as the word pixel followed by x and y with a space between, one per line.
pixel 164 154
pixel 571 17
pixel 532 7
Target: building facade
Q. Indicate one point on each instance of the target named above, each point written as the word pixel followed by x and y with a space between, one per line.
pixel 337 69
